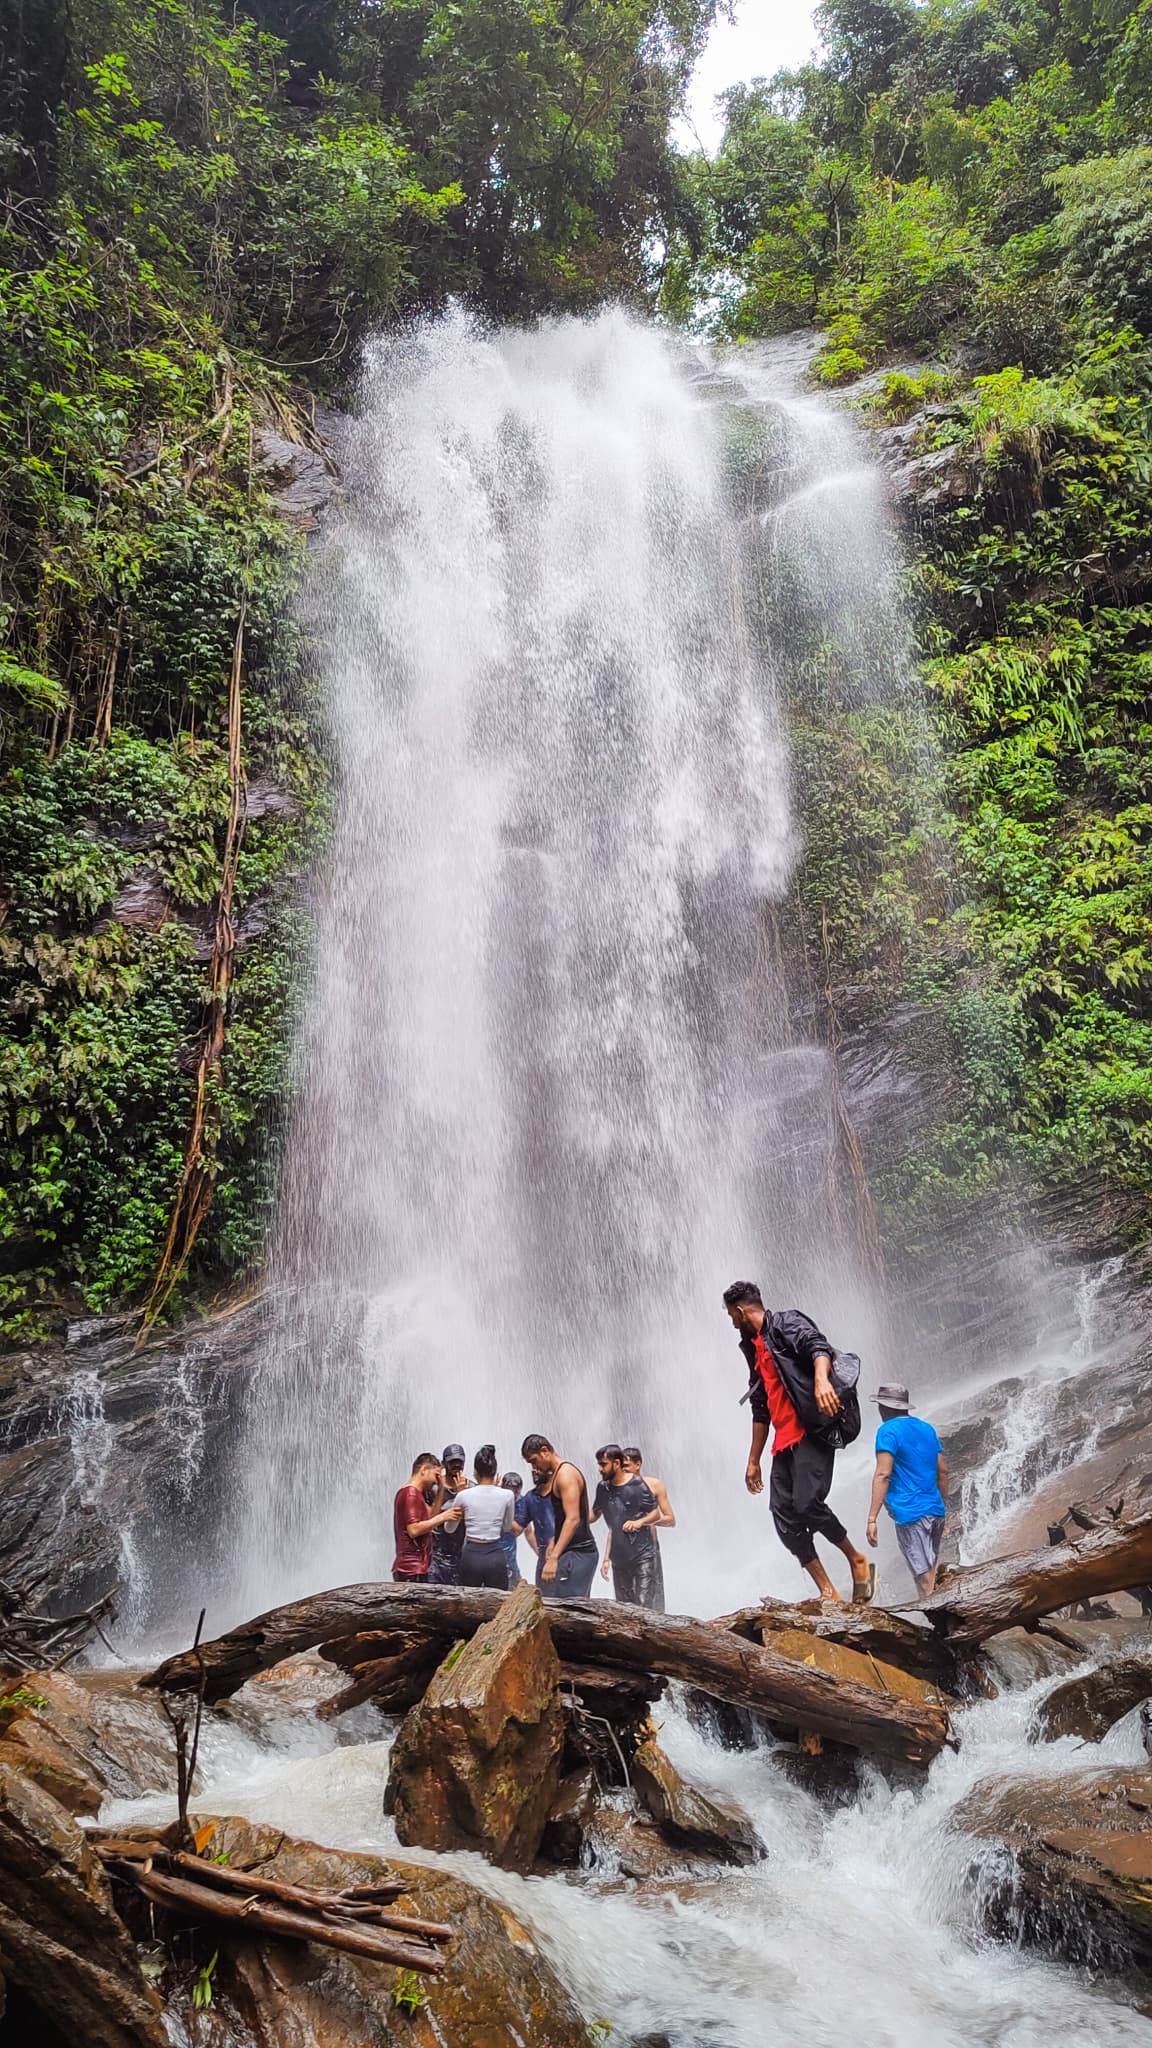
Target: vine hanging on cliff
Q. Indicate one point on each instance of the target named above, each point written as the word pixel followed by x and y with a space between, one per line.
pixel 197 1181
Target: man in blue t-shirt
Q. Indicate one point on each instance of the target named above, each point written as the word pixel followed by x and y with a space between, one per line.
pixel 911 1480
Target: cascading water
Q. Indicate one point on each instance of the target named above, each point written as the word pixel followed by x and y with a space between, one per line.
pixel 553 1094
pixel 550 1098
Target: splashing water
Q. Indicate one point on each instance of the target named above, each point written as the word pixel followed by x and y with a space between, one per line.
pixel 860 1924
pixel 551 1095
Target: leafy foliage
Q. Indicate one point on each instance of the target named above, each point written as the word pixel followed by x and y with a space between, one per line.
pixel 993 214
pixel 203 204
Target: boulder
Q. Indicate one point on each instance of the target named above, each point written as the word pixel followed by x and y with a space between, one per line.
pixel 622 1842
pixel 1017 1657
pixel 570 1818
pixel 476 1764
pixel 86 1737
pixel 497 1990
pixel 1090 1705
pixel 61 1940
pixel 687 1816
pixel 1078 1874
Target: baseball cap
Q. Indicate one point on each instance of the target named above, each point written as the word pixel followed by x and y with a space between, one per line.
pixel 453 1454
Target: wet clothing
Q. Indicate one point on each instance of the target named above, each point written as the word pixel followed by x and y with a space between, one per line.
pixel 576 1569
pixel 447 1547
pixel 798 1498
pixel 636 1571
pixel 913 1490
pixel 509 1543
pixel 484 1564
pixel 920 1543
pixel 413 1553
pixel 533 1511
pixel 487 1512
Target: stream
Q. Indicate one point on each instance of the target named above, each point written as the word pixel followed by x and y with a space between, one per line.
pixel 861 1924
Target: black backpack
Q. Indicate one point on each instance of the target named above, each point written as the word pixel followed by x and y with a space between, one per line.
pixel 834 1432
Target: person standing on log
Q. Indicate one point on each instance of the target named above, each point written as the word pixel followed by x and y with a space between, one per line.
pixel 448 1543
pixel 790 1389
pixel 556 1509
pixel 484 1511
pixel 632 1512
pixel 911 1480
pixel 413 1520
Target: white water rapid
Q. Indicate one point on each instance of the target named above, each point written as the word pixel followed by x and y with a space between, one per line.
pixel 551 1094
pixel 862 1925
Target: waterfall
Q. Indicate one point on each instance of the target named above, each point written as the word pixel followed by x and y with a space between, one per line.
pixel 552 1090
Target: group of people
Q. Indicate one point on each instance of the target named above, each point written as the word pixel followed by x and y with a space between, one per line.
pixel 450 1530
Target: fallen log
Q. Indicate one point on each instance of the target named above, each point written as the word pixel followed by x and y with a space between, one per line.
pixel 978 1601
pixel 890 1638
pixel 624 1638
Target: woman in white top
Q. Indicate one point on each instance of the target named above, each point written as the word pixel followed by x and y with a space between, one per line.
pixel 487 1510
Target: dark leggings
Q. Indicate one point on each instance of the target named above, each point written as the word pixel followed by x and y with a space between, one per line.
pixel 484 1564
pixel 640 1579
pixel 797 1497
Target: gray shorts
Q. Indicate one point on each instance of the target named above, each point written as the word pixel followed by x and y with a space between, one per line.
pixel 920 1543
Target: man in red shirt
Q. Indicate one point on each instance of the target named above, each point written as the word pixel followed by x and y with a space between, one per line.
pixel 412 1519
pixel 790 1387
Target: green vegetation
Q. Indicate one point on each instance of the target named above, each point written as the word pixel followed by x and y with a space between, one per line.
pixel 408 1992
pixel 204 208
pixel 960 197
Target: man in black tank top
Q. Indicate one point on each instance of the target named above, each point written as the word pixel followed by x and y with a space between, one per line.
pixel 569 1564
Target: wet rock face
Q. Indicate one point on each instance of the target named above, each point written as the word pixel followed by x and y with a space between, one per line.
pixel 1090 1705
pixel 61 1939
pixel 1077 1875
pixel 496 1992
pixel 86 1738
pixel 476 1764
pixel 686 1815
pixel 103 1444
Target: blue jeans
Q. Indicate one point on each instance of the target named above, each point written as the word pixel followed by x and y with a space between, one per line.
pixel 444 1571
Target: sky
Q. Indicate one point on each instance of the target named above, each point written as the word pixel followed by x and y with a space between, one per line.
pixel 765 35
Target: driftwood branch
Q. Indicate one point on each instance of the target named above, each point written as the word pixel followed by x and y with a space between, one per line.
pixel 624 1638
pixel 355 1921
pixel 1014 1591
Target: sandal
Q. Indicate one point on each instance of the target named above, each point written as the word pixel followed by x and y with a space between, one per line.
pixel 864 1590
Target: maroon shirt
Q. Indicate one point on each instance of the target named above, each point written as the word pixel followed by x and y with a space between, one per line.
pixel 413 1553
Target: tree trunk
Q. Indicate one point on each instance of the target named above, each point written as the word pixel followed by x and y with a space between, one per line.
pixel 1014 1591
pixel 715 1660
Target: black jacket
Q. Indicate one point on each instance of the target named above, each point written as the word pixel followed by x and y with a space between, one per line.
pixel 796 1344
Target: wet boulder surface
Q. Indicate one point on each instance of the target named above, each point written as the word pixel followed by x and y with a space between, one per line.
pixel 86 1737
pixel 1068 1863
pixel 688 1817
pixel 62 1941
pixel 1089 1705
pixel 105 1444
pixel 476 1764
pixel 497 1990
